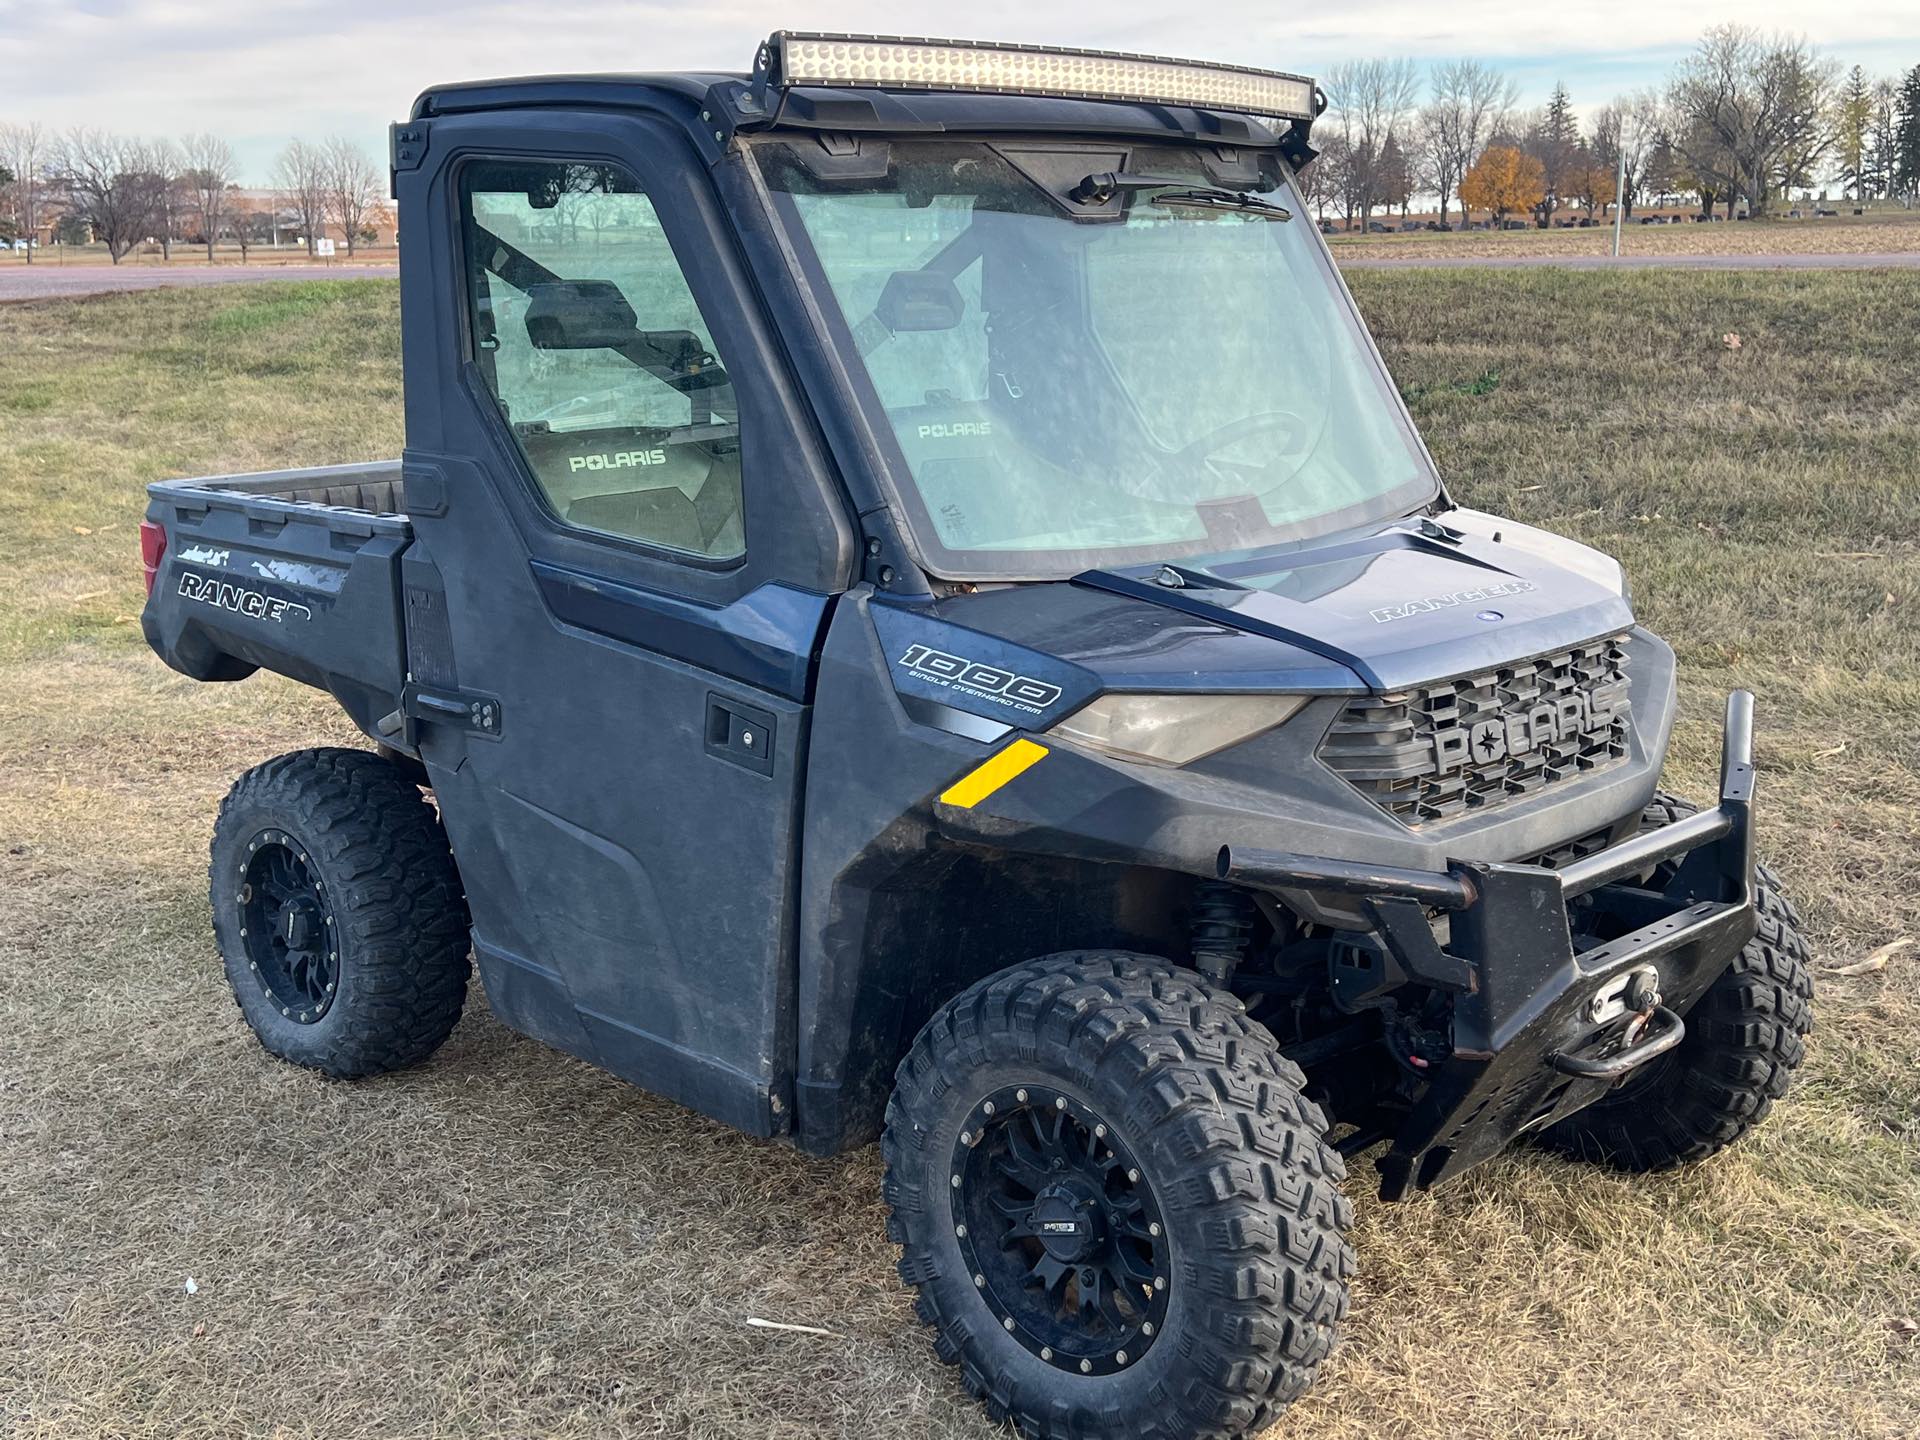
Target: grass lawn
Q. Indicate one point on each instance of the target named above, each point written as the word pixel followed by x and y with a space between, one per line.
pixel 507 1241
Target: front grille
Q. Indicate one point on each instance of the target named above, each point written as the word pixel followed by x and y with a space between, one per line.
pixel 1475 742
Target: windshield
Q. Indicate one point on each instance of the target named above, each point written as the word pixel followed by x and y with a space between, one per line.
pixel 1165 372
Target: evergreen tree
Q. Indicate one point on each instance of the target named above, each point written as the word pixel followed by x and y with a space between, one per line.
pixel 1853 125
pixel 1883 137
pixel 1555 143
pixel 1906 145
pixel 1393 176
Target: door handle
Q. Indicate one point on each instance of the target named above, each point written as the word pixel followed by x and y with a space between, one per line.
pixel 741 734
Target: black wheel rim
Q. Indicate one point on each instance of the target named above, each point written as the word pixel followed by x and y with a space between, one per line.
pixel 286 927
pixel 1060 1230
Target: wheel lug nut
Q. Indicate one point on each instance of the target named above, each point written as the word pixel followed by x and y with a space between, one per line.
pixel 1159 1282
pixel 1086 1367
pixel 979 1282
pixel 1020 1095
pixel 1147 1328
pixel 1008 1322
pixel 1134 1176
pixel 960 1231
pixel 956 1182
pixel 1153 1228
pixel 1100 1130
pixel 1121 1358
pixel 1046 1352
pixel 1059 1102
pixel 987 1108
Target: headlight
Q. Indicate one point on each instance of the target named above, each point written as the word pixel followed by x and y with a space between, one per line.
pixel 1173 729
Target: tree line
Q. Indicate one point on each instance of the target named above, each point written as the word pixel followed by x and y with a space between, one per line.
pixel 1746 119
pixel 123 191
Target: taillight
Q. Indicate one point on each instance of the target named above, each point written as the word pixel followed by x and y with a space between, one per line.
pixel 153 548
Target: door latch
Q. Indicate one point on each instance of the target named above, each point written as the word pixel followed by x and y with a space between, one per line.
pixel 463 709
pixel 742 734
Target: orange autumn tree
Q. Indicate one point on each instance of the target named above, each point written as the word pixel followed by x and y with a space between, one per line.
pixel 1505 182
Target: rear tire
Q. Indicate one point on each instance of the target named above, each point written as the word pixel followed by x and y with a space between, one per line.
pixel 1745 1038
pixel 1106 1125
pixel 339 913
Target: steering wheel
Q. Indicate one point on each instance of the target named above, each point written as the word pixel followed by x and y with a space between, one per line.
pixel 1258 423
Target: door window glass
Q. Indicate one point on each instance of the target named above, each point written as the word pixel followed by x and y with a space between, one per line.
pixel 605 373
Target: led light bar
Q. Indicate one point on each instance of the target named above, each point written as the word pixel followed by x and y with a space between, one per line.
pixel 882 62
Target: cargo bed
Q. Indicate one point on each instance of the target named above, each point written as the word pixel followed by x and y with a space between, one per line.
pixel 373 487
pixel 294 571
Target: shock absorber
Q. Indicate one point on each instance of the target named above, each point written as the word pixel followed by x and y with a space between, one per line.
pixel 1221 927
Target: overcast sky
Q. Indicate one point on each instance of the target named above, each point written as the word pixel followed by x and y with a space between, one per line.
pixel 259 71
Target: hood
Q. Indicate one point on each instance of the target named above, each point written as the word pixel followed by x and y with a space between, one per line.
pixel 1398 605
pixel 1411 602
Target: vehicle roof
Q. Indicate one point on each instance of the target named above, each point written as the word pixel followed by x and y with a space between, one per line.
pixel 869 109
pixel 602 88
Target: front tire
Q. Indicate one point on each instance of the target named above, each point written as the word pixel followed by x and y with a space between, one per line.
pixel 1120 1214
pixel 1745 1038
pixel 338 912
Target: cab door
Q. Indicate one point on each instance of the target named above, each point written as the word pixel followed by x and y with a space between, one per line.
pixel 628 546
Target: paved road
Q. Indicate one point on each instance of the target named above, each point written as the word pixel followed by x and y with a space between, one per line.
pixel 44 281
pixel 1891 259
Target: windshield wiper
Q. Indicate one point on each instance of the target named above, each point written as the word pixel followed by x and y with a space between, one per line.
pixel 1236 202
pixel 1100 188
pixel 1190 577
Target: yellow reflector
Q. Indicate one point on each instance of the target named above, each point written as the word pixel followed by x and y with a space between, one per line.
pixel 977 784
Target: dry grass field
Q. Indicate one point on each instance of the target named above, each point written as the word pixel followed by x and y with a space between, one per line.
pixel 1888 232
pixel 505 1242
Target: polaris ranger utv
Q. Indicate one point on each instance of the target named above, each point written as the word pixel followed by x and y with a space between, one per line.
pixel 922 614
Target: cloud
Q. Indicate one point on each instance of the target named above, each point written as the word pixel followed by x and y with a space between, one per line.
pixel 261 72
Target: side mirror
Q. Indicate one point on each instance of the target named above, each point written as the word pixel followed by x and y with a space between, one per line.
pixel 920 300
pixel 579 315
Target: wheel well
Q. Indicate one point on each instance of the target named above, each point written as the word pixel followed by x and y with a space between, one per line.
pixel 954 915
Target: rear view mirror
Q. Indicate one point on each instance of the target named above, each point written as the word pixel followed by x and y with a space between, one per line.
pixel 579 315
pixel 920 300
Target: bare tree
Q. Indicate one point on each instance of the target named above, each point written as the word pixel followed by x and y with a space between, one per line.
pixel 1314 182
pixel 301 173
pixel 353 187
pixel 163 161
pixel 25 153
pixel 1369 100
pixel 1752 111
pixel 1470 101
pixel 117 186
pixel 206 182
pixel 250 226
pixel 1626 131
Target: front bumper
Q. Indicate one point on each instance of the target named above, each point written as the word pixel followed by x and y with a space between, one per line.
pixel 1542 1027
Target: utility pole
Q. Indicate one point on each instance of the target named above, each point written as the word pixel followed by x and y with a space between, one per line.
pixel 1619 192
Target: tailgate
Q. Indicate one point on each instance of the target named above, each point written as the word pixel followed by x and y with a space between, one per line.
pixel 247 582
